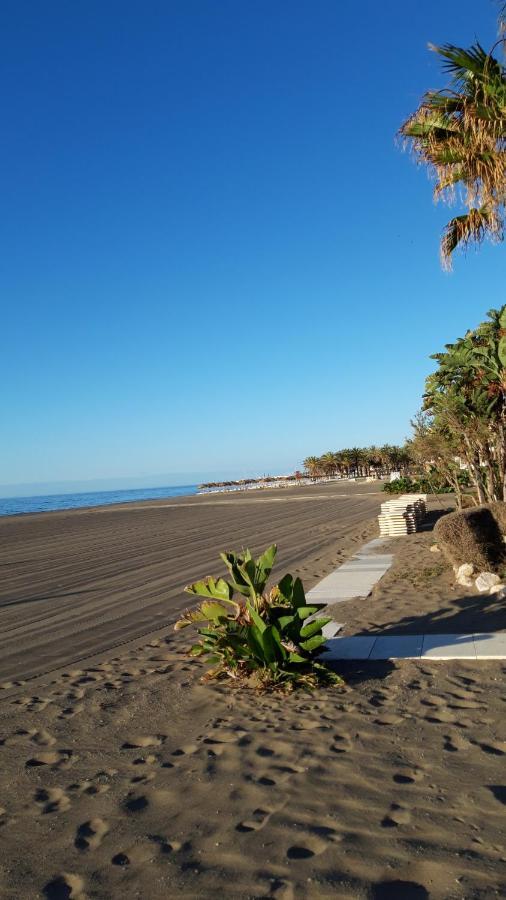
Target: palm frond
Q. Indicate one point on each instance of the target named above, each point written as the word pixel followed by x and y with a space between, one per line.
pixel 465 64
pixel 470 228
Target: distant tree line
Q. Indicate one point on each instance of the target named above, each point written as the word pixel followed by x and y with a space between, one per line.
pixel 359 461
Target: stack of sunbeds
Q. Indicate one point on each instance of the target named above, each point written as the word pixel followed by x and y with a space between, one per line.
pixel 402 515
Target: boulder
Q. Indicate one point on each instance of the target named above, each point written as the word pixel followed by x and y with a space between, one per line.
pixel 465 581
pixel 498 589
pixel 463 574
pixel 486 580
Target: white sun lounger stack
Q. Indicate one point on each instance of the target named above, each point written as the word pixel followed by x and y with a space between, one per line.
pixel 402 515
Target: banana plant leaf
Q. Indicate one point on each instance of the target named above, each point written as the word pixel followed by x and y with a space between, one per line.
pixel 217 589
pixel 259 622
pixel 314 627
pixel 313 643
pixel 304 611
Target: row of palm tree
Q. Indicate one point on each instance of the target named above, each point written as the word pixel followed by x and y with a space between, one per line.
pixel 358 461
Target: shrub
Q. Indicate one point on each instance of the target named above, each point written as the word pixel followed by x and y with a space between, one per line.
pixel 474 536
pixel 272 640
pixel 403 485
pixel 426 484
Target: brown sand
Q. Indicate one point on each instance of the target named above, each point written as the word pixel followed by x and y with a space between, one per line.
pixel 82 582
pixel 130 778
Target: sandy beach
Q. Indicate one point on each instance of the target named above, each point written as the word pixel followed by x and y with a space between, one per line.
pixel 81 582
pixel 127 776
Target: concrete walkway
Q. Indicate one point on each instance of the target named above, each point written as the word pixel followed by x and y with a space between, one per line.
pixel 356 578
pixel 417 646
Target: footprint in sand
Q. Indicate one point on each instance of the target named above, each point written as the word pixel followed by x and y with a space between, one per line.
pixel 313 844
pixel 497 748
pixel 388 720
pixel 408 776
pixel 42 738
pixel 66 886
pixel 135 855
pixel 91 834
pixel 454 742
pixel 139 803
pixel 68 712
pixel 441 717
pixel 433 701
pixel 140 741
pixel 398 815
pixel 56 759
pixel 466 704
pixel 258 819
pixel 148 760
pixel 52 800
pixel 224 736
pixel 143 779
pixel 186 750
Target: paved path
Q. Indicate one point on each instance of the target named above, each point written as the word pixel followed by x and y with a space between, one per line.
pixel 417 646
pixel 356 578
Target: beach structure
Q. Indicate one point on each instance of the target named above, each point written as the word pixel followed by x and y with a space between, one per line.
pixel 403 515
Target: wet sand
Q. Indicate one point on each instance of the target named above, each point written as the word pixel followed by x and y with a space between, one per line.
pixel 81 582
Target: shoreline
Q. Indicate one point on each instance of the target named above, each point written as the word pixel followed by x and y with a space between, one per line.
pixel 172 497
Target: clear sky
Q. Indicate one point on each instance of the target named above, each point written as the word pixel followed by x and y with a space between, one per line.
pixel 214 258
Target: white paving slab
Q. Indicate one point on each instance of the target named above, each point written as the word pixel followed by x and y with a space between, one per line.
pixel 448 646
pixel 331 628
pixel 358 647
pixel 490 645
pixel 416 646
pixel 355 578
pixel 397 646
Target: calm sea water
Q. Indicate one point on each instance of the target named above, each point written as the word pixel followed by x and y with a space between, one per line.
pixel 14 505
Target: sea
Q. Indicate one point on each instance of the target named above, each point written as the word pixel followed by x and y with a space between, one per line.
pixel 50 502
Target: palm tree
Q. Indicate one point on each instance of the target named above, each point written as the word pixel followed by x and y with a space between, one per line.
pixel 329 462
pixel 459 133
pixel 312 466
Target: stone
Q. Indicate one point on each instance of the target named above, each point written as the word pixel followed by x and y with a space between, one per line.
pixel 498 589
pixel 463 574
pixel 486 580
pixel 435 549
pixel 466 582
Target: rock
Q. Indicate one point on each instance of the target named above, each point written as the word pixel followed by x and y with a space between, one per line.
pixel 463 574
pixel 498 589
pixel 435 549
pixel 486 580
pixel 465 581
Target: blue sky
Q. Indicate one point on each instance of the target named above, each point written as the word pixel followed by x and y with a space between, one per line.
pixel 214 257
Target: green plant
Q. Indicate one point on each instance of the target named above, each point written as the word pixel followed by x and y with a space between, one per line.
pixel 271 639
pixel 432 483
